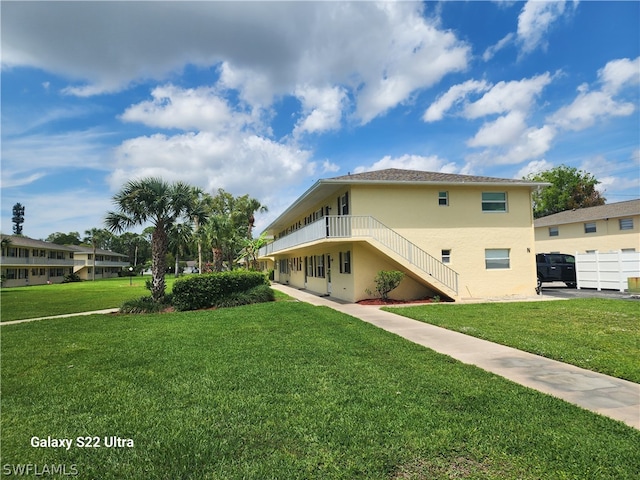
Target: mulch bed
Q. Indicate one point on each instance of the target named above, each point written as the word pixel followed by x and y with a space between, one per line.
pixel 379 301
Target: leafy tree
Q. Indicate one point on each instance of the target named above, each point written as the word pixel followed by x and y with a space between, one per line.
pixel 59 238
pixel 230 222
pixel 158 202
pixel 135 246
pixel 570 189
pixel 250 249
pixel 18 218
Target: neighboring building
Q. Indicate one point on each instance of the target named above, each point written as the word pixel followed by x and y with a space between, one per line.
pixel 26 261
pixel 454 236
pixel 605 228
pixel 107 264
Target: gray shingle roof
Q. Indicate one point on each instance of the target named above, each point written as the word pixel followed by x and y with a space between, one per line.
pixel 20 241
pixel 609 210
pixel 395 175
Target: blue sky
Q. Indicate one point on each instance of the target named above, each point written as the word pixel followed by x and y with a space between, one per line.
pixel 265 98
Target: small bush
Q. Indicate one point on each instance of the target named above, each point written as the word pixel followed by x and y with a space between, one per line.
pixel 145 305
pixel 71 277
pixel 386 280
pixel 259 294
pixel 211 290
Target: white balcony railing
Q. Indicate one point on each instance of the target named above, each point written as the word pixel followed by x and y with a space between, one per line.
pixel 40 261
pixel 345 226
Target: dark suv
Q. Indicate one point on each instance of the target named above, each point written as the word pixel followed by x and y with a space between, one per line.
pixel 556 267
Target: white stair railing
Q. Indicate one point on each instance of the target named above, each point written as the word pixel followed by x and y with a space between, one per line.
pixel 347 226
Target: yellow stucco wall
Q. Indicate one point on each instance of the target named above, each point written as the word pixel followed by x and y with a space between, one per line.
pixel 461 227
pixel 572 238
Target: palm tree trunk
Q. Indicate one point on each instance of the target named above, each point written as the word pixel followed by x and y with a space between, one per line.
pixel 159 244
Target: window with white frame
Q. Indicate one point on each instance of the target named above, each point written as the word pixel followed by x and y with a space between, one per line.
pixel 553 231
pixel 494 201
pixel 497 258
pixel 345 262
pixel 446 256
pixel 319 264
pixel 626 223
pixel 309 262
pixel 590 227
pixel 443 199
pixel 343 204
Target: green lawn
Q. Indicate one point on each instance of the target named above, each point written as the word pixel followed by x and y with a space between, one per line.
pixel 283 391
pixel 597 334
pixel 46 300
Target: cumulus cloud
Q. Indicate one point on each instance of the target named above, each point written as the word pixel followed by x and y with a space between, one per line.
pixel 432 163
pixel 507 96
pixel 533 167
pixel 591 106
pixel 263 49
pixel 454 95
pixel 322 108
pixel 535 21
pixel 204 159
pixel 504 130
pixel 187 109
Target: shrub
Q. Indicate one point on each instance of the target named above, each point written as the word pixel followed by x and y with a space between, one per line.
pixel 145 305
pixel 210 290
pixel 386 280
pixel 259 294
pixel 71 277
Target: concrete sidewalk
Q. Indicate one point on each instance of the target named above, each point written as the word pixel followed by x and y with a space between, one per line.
pixel 97 312
pixel 609 396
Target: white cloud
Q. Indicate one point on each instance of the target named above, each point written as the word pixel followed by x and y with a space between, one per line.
pixel 239 164
pixel 506 96
pixel 322 107
pixel 591 106
pixel 617 74
pixel 454 95
pixel 531 144
pixel 263 50
pixel 536 20
pixel 490 52
pixel 505 130
pixel 187 109
pixel 431 163
pixel 533 167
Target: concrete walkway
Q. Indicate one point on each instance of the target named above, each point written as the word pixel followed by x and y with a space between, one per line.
pixel 108 310
pixel 609 396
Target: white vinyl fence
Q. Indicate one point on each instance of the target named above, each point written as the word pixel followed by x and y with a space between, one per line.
pixel 609 271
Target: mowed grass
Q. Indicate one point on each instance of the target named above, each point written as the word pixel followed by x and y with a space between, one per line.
pixel 47 300
pixel 283 390
pixel 601 335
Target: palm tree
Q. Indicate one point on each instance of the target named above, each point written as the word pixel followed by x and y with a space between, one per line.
pixel 97 237
pixel 245 209
pixel 180 237
pixel 200 207
pixel 158 202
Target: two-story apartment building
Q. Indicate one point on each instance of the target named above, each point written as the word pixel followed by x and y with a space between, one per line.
pixel 26 261
pixel 107 264
pixel 454 236
pixel 605 228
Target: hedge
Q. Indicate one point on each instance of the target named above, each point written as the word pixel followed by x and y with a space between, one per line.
pixel 214 289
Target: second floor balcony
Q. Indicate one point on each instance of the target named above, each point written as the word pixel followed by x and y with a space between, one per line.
pixel 367 228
